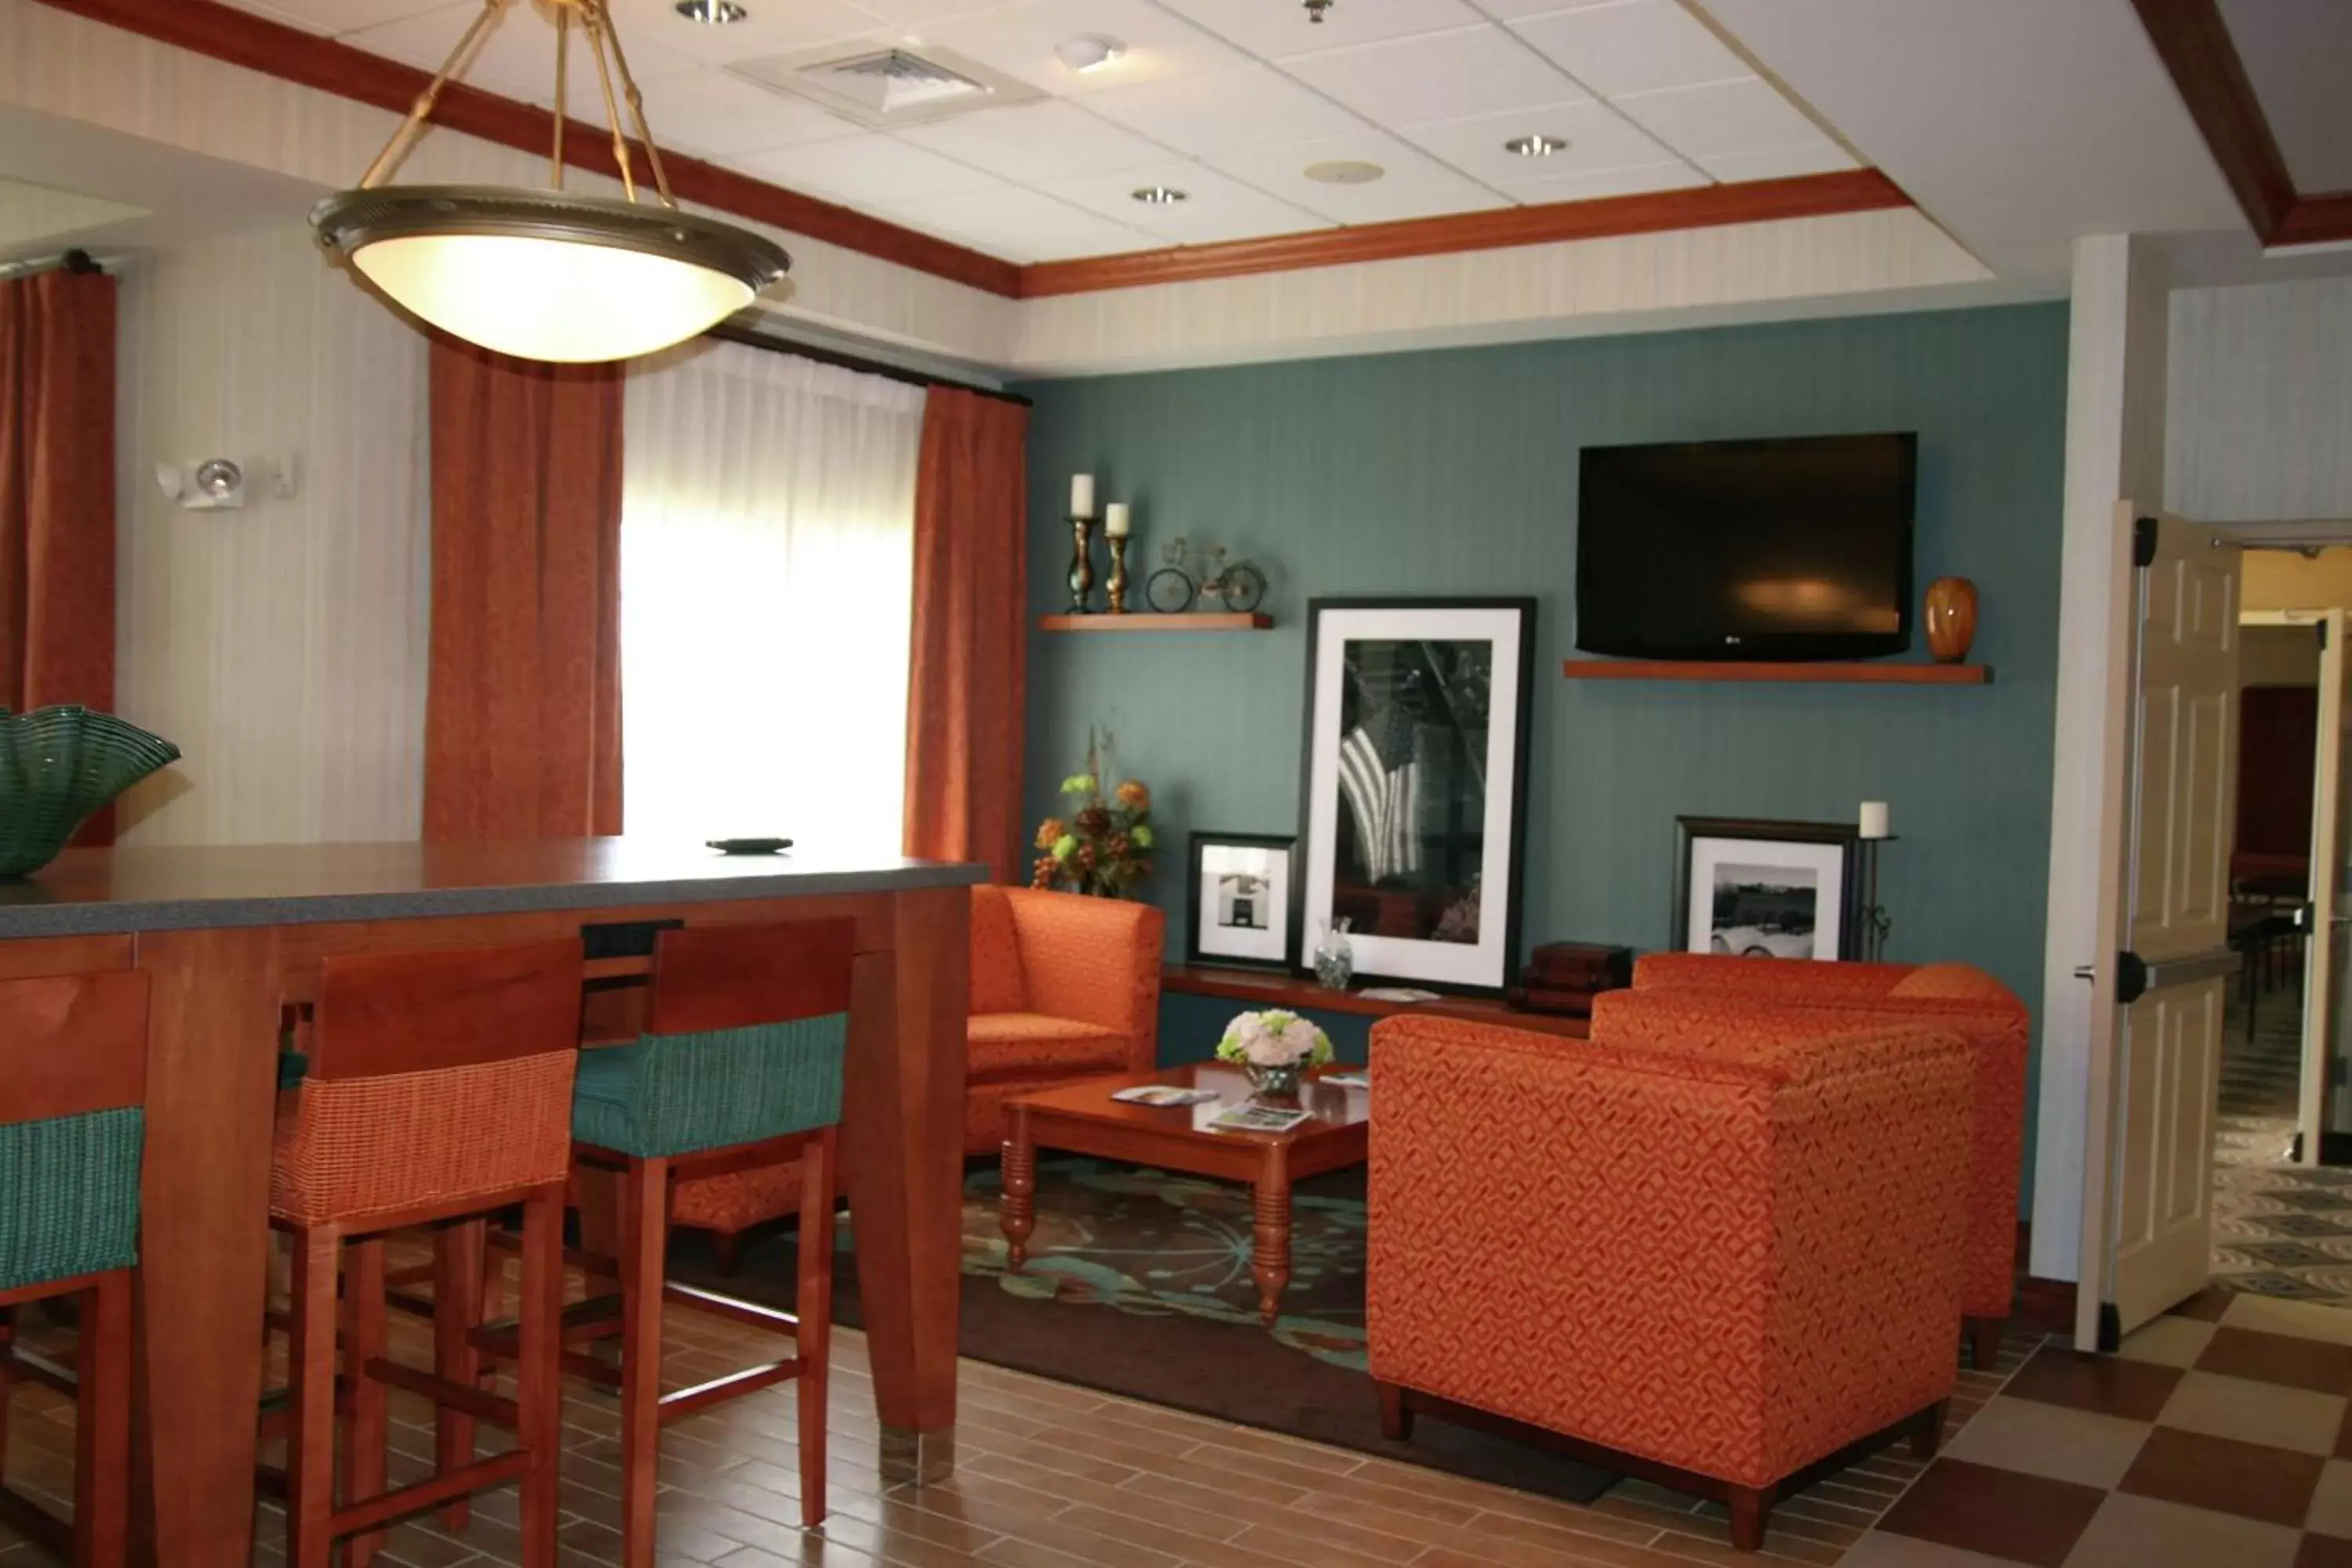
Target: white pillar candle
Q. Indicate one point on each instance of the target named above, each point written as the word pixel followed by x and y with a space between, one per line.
pixel 1116 520
pixel 1874 819
pixel 1082 495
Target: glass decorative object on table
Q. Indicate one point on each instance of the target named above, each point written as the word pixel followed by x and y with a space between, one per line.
pixel 57 768
pixel 1335 957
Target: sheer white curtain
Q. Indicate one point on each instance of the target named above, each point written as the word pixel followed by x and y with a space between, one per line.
pixel 767 537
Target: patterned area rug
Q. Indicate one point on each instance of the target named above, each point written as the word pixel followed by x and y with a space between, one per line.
pixel 2279 1228
pixel 1139 1284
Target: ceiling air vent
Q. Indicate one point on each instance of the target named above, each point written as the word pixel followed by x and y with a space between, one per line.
pixel 888 85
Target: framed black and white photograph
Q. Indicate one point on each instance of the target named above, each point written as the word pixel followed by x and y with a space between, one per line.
pixel 1414 785
pixel 1244 903
pixel 1767 890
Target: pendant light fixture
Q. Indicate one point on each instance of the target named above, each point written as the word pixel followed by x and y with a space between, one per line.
pixel 545 274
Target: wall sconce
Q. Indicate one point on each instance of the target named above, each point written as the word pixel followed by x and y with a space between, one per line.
pixel 217 484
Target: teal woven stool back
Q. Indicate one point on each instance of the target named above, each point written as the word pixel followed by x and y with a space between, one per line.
pixel 73 1056
pixel 747 1029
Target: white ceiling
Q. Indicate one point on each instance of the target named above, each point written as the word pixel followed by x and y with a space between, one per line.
pixel 2296 52
pixel 1228 101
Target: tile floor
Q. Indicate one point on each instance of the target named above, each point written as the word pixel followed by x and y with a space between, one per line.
pixel 2218 1439
pixel 2278 1229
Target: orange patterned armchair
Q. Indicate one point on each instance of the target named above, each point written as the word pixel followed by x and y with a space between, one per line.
pixel 1955 996
pixel 1062 988
pixel 1710 1262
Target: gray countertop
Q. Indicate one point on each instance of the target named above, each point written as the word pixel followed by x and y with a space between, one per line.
pixel 89 892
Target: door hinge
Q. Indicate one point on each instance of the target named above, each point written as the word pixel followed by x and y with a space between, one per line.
pixel 2144 542
pixel 2111 1329
pixel 2131 978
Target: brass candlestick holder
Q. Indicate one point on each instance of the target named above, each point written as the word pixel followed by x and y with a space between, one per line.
pixel 1117 586
pixel 1082 564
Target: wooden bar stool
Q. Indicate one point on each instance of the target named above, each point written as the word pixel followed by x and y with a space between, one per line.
pixel 438 1088
pixel 73 1056
pixel 739 1064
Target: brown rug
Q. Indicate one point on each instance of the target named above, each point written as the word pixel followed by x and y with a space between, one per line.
pixel 1139 1284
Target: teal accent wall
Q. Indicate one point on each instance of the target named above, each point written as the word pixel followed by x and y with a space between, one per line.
pixel 1454 472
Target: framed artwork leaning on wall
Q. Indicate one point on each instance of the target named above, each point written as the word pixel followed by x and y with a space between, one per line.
pixel 1767 890
pixel 1414 784
pixel 1245 900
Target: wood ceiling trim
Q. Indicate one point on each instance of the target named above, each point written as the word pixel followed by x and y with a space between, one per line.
pixel 2317 220
pixel 2194 43
pixel 1706 207
pixel 242 38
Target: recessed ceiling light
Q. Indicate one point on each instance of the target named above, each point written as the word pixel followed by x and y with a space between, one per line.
pixel 1344 172
pixel 1089 52
pixel 711 13
pixel 1536 146
pixel 1161 196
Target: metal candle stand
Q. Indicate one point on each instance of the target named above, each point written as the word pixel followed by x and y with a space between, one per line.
pixel 1082 564
pixel 1875 922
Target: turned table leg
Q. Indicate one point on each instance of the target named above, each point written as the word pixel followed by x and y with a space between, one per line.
pixel 1270 1256
pixel 1017 1213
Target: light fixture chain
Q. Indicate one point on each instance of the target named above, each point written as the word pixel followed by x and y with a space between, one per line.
pixel 562 87
pixel 461 59
pixel 591 17
pixel 637 107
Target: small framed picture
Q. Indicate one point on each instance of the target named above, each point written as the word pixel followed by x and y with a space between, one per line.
pixel 1767 890
pixel 1244 902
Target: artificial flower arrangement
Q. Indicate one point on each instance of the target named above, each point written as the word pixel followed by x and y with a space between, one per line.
pixel 1273 1038
pixel 1104 847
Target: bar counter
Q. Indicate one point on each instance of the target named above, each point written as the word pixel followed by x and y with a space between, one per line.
pixel 232 937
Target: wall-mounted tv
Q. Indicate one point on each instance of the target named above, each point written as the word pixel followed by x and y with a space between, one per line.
pixel 1795 549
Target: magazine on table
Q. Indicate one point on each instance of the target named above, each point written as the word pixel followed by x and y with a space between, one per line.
pixel 1257 1119
pixel 1164 1095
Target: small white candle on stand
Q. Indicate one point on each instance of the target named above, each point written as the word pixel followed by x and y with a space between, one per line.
pixel 1117 520
pixel 1874 819
pixel 1082 495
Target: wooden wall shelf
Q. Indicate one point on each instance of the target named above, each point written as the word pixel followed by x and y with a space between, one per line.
pixel 1851 674
pixel 1150 621
pixel 1272 988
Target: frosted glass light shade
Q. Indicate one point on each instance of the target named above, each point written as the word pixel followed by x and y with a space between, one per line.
pixel 544 276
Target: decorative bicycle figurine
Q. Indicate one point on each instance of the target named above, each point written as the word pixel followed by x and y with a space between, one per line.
pixel 1238 586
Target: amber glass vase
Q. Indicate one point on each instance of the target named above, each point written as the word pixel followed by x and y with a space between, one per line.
pixel 1951 618
pixel 58 766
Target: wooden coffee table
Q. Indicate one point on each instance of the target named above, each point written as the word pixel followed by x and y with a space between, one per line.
pixel 1084 1119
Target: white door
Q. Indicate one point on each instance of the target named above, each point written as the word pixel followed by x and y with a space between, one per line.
pixel 2181 815
pixel 2326 995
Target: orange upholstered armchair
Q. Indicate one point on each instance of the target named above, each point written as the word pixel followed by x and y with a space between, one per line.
pixel 1710 1267
pixel 1062 988
pixel 1753 992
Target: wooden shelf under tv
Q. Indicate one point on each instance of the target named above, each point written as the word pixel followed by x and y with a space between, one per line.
pixel 1153 621
pixel 1856 673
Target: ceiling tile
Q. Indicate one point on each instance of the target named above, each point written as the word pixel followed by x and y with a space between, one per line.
pixel 773 27
pixel 714 115
pixel 336 17
pixel 920 13
pixel 1277 27
pixel 1598 138
pixel 1020 225
pixel 1511 10
pixel 519 58
pixel 1438 75
pixel 1726 117
pixel 1019 40
pixel 1208 111
pixel 866 168
pixel 1634 45
pixel 1820 156
pixel 1414 185
pixel 1610 182
pixel 1217 207
pixel 1037 141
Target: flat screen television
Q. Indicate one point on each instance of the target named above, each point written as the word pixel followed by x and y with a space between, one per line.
pixel 1795 549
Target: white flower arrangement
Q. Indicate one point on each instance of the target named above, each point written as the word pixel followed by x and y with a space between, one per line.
pixel 1273 1038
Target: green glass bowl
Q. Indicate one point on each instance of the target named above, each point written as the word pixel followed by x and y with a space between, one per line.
pixel 57 765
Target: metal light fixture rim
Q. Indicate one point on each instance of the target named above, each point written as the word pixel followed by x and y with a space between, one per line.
pixel 350 221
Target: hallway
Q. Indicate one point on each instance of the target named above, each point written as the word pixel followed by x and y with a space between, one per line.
pixel 2278 1229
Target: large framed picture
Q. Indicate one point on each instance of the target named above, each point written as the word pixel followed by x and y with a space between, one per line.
pixel 1767 890
pixel 1245 900
pixel 1414 784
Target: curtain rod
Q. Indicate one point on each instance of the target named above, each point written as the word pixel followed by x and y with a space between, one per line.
pixel 750 339
pixel 76 261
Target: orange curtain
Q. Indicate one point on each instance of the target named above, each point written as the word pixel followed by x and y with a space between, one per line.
pixel 56 497
pixel 522 724
pixel 964 699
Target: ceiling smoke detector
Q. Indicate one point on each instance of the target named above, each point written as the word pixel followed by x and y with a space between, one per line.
pixel 1344 172
pixel 1161 195
pixel 1536 146
pixel 1089 52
